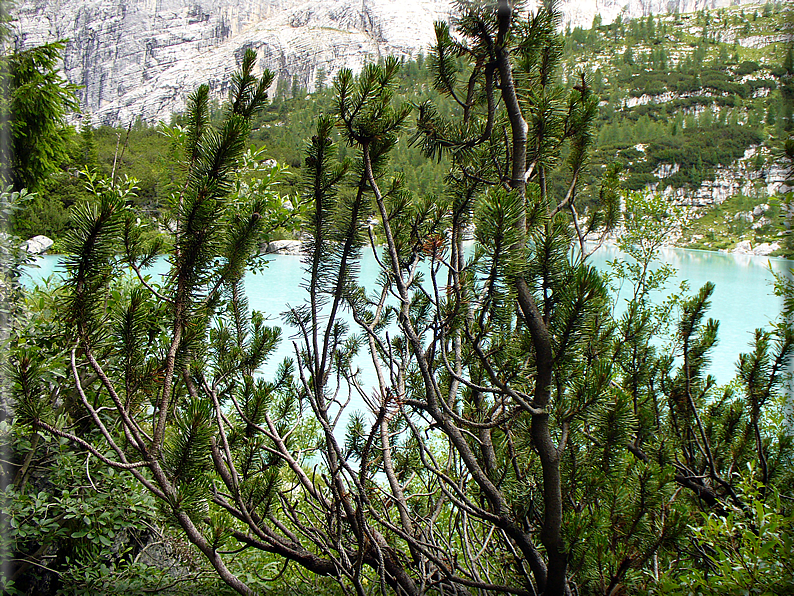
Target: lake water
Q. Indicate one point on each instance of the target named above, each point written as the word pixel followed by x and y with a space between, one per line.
pixel 742 301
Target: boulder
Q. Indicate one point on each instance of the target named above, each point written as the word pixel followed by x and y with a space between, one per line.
pixel 284 247
pixel 744 247
pixel 763 221
pixel 760 209
pixel 37 245
pixel 745 216
pixel 764 249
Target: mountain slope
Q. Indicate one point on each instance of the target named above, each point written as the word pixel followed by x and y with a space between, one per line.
pixel 140 58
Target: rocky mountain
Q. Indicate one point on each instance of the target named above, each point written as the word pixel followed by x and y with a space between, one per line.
pixel 140 58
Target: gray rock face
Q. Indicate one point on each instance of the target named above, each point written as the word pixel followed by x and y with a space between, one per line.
pixel 141 58
pixel 740 176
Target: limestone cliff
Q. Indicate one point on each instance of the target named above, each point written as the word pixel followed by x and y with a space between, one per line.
pixel 140 58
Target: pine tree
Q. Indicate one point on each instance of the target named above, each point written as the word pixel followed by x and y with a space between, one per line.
pixel 519 436
pixel 166 424
pixel 35 117
pixel 88 150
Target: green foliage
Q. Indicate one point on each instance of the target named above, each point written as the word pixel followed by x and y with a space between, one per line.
pixel 75 526
pixel 40 99
pixel 223 210
pixel 524 431
pixel 748 550
pixel 747 67
pixel 47 212
pixel 724 225
pixel 731 92
pixel 87 152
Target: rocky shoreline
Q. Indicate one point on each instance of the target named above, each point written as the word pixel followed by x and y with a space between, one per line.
pixel 38 245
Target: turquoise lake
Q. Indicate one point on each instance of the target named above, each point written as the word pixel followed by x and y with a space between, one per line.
pixel 743 299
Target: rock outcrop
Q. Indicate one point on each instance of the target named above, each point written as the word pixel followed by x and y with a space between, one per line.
pixel 762 250
pixel 743 176
pixel 141 58
pixel 284 247
pixel 37 245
